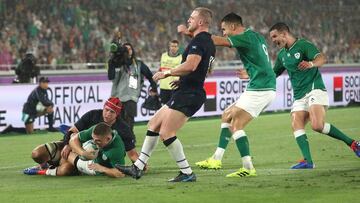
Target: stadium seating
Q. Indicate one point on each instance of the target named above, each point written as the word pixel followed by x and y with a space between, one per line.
pixel 78 31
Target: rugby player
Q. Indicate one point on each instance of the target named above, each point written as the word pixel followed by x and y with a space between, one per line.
pixel 302 60
pixel 260 92
pixel 185 102
pixel 51 153
pixel 111 152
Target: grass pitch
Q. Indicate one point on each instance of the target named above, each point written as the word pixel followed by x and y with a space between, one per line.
pixel 273 147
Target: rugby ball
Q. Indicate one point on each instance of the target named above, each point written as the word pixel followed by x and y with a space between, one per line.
pixel 89 146
pixel 40 107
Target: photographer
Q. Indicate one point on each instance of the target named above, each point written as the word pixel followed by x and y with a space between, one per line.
pixel 27 69
pixel 127 75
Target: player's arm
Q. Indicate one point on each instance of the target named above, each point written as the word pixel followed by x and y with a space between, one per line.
pixel 316 58
pixel 77 139
pixel 111 172
pixel 43 98
pixel 190 65
pixel 220 41
pixel 278 67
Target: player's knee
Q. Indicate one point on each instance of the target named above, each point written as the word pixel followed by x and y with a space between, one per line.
pixel 317 126
pixel 65 169
pixel 37 156
pixel 226 117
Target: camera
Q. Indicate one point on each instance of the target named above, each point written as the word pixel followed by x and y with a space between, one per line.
pixel 119 54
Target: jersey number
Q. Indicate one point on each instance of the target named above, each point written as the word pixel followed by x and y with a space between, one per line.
pixel 266 51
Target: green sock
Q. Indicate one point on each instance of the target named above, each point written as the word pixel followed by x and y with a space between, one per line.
pixel 243 146
pixel 224 139
pixel 303 143
pixel 336 133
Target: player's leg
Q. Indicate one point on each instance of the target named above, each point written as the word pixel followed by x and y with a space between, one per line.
pixel 214 162
pixel 173 121
pixel 249 106
pixel 299 118
pixel 317 119
pixel 50 117
pixel 46 155
pixel 318 102
pixel 149 144
pixel 240 118
pixel 29 127
pixel 151 138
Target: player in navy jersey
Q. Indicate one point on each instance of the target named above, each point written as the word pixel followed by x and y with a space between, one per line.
pixel 185 102
pixel 50 154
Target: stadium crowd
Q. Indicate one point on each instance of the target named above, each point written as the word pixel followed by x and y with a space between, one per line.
pixel 78 31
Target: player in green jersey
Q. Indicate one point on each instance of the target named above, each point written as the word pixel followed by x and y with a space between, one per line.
pixel 260 92
pixel 302 61
pixel 111 151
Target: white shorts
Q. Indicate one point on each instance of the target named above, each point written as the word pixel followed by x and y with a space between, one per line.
pixel 254 102
pixel 83 167
pixel 317 96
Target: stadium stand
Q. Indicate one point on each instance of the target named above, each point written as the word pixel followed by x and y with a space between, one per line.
pixel 79 31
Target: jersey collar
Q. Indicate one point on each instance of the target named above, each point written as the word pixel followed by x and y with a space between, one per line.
pixel 297 39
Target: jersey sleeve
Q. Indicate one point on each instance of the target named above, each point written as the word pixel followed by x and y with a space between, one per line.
pixel 278 67
pixel 196 47
pixel 83 122
pixel 85 135
pixel 239 41
pixel 310 50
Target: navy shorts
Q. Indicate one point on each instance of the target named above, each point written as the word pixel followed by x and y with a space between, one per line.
pixel 187 101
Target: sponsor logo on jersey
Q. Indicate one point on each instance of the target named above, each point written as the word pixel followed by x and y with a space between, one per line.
pixel 297 55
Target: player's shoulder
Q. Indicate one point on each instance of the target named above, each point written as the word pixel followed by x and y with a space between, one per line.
pixel 94 112
pixel 203 37
pixel 303 41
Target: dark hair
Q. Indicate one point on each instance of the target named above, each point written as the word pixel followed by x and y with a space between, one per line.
pixel 133 56
pixel 281 27
pixel 232 18
pixel 174 41
pixel 102 129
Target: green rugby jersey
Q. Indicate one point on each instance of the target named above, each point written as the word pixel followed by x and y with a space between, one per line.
pixel 111 154
pixel 252 48
pixel 302 81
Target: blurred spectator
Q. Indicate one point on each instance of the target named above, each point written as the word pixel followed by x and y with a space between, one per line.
pixel 79 30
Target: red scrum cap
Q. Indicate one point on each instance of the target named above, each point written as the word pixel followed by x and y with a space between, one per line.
pixel 114 104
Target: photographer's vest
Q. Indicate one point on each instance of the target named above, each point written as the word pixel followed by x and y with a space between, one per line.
pixel 168 62
pixel 128 82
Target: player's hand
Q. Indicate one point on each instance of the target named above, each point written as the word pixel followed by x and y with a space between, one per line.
pixel 96 167
pixel 182 29
pixel 65 151
pixel 305 65
pixel 158 76
pixel 242 74
pixel 175 84
pixel 90 154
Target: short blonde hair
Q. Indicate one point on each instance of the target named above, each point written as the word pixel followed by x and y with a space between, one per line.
pixel 205 13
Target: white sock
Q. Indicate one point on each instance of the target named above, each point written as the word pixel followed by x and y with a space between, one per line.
pixel 148 147
pixel 177 153
pixel 247 163
pixel 51 172
pixel 219 153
